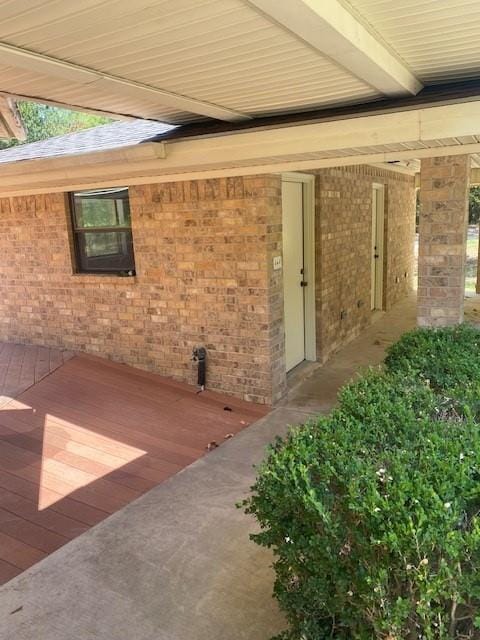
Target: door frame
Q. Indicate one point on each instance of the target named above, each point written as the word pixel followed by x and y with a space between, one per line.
pixel 308 192
pixel 378 294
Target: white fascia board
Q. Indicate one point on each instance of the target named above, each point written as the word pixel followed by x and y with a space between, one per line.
pixel 417 125
pixel 296 140
pixel 252 146
pixel 69 180
pixel 328 27
pixel 450 121
pixel 76 178
pixel 265 151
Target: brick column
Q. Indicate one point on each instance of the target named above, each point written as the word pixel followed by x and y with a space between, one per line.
pixel 444 186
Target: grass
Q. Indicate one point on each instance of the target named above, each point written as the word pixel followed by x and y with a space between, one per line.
pixel 472 256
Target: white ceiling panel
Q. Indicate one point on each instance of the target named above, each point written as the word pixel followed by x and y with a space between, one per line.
pixel 438 39
pixel 186 60
pixel 35 85
pixel 221 52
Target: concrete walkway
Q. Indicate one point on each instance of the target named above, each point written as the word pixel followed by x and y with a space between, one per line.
pixel 177 563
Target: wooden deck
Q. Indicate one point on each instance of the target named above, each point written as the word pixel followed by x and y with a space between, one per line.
pixel 23 365
pixel 84 437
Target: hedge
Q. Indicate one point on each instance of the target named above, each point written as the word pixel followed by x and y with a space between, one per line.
pixel 372 512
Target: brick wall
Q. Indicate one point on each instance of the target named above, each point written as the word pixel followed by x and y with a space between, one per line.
pixel 399 237
pixel 204 256
pixel 201 251
pixel 343 248
pixel 444 190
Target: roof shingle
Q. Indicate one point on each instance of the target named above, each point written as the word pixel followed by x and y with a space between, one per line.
pixel 102 138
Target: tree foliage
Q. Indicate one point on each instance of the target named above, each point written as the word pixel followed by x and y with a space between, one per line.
pixel 474 205
pixel 43 121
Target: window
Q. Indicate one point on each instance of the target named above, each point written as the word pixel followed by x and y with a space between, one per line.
pixel 102 231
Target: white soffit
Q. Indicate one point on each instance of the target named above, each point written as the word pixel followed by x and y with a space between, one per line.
pixel 438 39
pixel 332 30
pixel 186 60
pixel 120 55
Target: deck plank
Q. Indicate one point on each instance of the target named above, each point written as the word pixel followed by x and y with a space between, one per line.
pixel 30 533
pixel 21 366
pixel 18 553
pixel 8 571
pixel 47 518
pixel 81 437
pixel 59 503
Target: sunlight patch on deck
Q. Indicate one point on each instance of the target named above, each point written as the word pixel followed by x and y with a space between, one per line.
pixel 74 457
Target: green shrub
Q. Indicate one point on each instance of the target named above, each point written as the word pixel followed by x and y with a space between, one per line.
pixel 373 512
pixel 447 357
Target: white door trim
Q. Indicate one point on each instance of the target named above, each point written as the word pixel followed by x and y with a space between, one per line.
pixel 378 219
pixel 308 182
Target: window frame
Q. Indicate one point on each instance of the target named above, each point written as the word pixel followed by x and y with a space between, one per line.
pixel 78 232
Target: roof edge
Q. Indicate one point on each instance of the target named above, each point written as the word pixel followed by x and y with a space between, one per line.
pixel 432 95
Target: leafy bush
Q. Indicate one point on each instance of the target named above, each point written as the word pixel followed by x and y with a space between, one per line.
pixel 446 357
pixel 373 512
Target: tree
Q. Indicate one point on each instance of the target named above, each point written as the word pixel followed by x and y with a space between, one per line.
pixel 474 205
pixel 43 121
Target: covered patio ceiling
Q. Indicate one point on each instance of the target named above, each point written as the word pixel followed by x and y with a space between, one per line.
pixel 183 60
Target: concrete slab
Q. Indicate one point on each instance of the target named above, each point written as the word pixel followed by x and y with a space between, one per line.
pixel 318 392
pixel 472 309
pixel 177 563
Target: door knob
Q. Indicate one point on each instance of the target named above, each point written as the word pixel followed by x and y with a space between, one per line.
pixel 303 283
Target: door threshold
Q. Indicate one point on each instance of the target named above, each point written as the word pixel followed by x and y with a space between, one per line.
pixel 377 314
pixel 300 372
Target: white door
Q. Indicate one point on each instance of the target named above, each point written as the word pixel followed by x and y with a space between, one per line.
pixel 378 215
pixel 293 271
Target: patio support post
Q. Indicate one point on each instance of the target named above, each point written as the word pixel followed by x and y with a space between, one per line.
pixel 444 186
